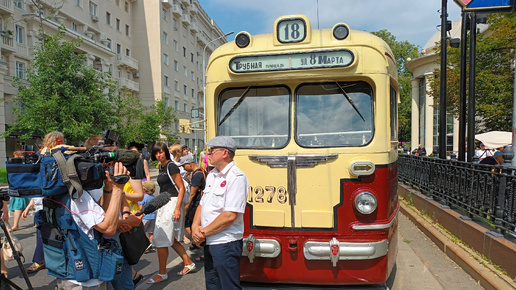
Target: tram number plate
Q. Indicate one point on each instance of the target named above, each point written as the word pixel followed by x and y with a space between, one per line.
pixel 269 194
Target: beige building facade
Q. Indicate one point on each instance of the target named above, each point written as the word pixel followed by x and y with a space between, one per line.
pixel 153 49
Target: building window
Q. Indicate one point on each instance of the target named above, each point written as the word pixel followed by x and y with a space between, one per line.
pixel 164 13
pixel 118 48
pixel 127 30
pixel 185 107
pixel 78 3
pixel 119 72
pixel 184 51
pixel 176 65
pixel 126 7
pixel 118 24
pixel 175 24
pixel 176 86
pixel 185 71
pixel 127 52
pixel 18 4
pixel 191 57
pixel 109 43
pixel 193 93
pixel 20 34
pixel 184 90
pixel 165 58
pixel 176 105
pixel 192 74
pixel 165 37
pixel 165 80
pixel 175 45
pixel 20 70
pixel 108 18
pixel 74 26
pixel 93 8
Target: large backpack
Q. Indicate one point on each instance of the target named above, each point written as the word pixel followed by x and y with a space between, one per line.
pixel 69 253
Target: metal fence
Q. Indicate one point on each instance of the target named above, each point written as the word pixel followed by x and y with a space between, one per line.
pixel 484 192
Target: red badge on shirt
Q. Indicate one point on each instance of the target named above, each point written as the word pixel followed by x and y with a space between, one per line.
pixel 223 183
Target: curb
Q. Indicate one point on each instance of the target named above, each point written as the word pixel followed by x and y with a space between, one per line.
pixel 475 265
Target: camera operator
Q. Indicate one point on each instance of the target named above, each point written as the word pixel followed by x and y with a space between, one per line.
pixel 5 217
pixel 91 216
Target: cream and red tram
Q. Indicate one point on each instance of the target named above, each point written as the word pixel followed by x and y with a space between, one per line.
pixel 314 116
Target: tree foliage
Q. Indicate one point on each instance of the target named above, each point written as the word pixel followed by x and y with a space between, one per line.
pixel 403 51
pixel 494 80
pixel 61 93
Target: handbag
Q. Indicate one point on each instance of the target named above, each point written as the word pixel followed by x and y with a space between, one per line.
pixel 134 243
pixel 7 251
pixel 186 196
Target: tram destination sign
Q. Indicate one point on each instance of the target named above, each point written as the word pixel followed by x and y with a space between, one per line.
pixel 292 61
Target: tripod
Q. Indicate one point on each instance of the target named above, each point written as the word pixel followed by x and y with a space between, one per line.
pixel 16 254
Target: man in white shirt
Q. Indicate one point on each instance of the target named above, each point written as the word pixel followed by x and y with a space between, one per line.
pixel 219 218
pixel 483 152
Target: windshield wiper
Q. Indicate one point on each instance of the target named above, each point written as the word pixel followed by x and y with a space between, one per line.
pixel 235 106
pixel 350 101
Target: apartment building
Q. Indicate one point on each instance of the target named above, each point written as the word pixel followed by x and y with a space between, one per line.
pixel 153 48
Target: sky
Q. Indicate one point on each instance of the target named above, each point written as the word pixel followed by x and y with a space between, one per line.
pixel 414 21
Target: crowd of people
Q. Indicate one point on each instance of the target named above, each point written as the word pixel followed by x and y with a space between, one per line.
pixel 204 211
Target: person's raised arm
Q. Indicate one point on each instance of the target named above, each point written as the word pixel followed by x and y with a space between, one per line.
pixel 110 223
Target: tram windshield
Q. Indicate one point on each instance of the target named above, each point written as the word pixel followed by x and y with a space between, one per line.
pixel 334 114
pixel 326 115
pixel 255 117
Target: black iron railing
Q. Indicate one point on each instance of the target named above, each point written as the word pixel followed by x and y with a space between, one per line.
pixel 484 192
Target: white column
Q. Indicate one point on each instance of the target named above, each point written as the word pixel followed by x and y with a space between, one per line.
pixel 414 139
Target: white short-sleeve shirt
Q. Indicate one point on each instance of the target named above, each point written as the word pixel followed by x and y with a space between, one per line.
pixel 225 191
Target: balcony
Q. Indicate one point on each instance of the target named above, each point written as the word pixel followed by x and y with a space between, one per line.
pixel 168 3
pixel 129 85
pixel 8 43
pixel 201 39
pixel 6 7
pixel 194 10
pixel 166 90
pixel 186 3
pixel 193 27
pixel 186 19
pixel 176 10
pixel 128 62
pixel 22 49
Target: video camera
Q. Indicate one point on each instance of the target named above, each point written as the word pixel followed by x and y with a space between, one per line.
pixel 42 175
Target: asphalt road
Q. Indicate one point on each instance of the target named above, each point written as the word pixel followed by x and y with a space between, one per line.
pixel 420 265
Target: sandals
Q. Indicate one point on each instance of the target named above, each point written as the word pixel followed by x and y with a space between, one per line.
pixel 35 267
pixel 189 268
pixel 164 277
pixel 137 278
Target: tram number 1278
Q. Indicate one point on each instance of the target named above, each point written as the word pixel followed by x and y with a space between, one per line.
pixel 269 194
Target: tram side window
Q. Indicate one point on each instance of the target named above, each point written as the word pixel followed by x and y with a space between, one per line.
pixel 394 114
pixel 255 117
pixel 334 114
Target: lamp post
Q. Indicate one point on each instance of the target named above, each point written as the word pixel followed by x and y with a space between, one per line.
pixel 204 78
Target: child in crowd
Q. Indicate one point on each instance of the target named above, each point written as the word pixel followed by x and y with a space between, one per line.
pixel 149 219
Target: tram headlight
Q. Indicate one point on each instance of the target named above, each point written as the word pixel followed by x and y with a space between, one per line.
pixel 365 202
pixel 340 31
pixel 242 39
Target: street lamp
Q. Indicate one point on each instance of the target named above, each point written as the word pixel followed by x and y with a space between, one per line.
pixel 204 78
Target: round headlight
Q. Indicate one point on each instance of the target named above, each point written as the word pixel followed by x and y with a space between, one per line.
pixel 242 39
pixel 340 31
pixel 365 202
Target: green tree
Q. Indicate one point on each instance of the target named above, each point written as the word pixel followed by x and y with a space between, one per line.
pixel 61 93
pixel 494 81
pixel 403 51
pixel 138 124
